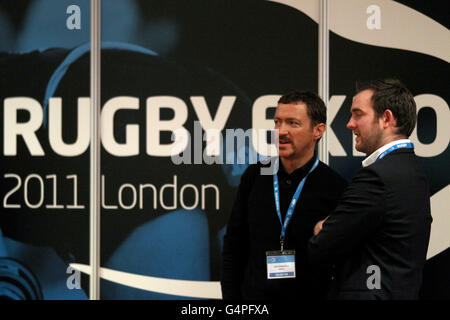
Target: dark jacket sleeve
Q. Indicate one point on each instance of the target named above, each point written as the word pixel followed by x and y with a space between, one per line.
pixel 236 240
pixel 357 215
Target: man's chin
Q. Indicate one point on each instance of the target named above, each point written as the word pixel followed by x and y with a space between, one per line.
pixel 284 154
pixel 360 148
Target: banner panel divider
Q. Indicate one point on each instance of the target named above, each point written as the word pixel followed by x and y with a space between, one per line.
pixel 324 73
pixel 94 280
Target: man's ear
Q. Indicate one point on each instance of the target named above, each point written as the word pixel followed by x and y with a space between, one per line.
pixel 319 130
pixel 388 119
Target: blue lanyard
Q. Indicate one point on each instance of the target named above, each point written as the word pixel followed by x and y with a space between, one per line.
pixel 404 145
pixel 290 211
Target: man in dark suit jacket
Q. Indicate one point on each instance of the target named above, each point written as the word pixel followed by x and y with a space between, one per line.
pixel 377 237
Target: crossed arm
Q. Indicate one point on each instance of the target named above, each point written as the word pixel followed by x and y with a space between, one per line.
pixel 358 214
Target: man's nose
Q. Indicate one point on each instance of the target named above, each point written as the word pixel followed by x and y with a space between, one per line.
pixel 282 131
pixel 282 127
pixel 351 124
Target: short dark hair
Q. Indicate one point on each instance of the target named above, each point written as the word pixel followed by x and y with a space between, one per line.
pixel 315 107
pixel 392 94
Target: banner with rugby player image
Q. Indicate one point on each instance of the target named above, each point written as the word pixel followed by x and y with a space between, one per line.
pixel 183 84
pixel 410 41
pixel 164 67
pixel 44 219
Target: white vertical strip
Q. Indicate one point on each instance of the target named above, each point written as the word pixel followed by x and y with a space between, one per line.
pixel 324 72
pixel 94 280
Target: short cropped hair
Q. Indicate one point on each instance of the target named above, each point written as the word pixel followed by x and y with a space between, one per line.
pixel 315 107
pixel 392 94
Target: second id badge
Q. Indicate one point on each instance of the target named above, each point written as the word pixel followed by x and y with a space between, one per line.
pixel 280 264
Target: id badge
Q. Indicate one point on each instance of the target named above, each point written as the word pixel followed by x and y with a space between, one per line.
pixel 280 264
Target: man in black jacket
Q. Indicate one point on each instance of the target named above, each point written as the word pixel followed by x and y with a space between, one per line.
pixel 259 261
pixel 378 235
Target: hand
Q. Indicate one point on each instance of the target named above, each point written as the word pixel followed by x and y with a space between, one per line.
pixel 318 226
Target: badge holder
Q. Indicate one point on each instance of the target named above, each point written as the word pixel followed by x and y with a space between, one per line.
pixel 280 263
